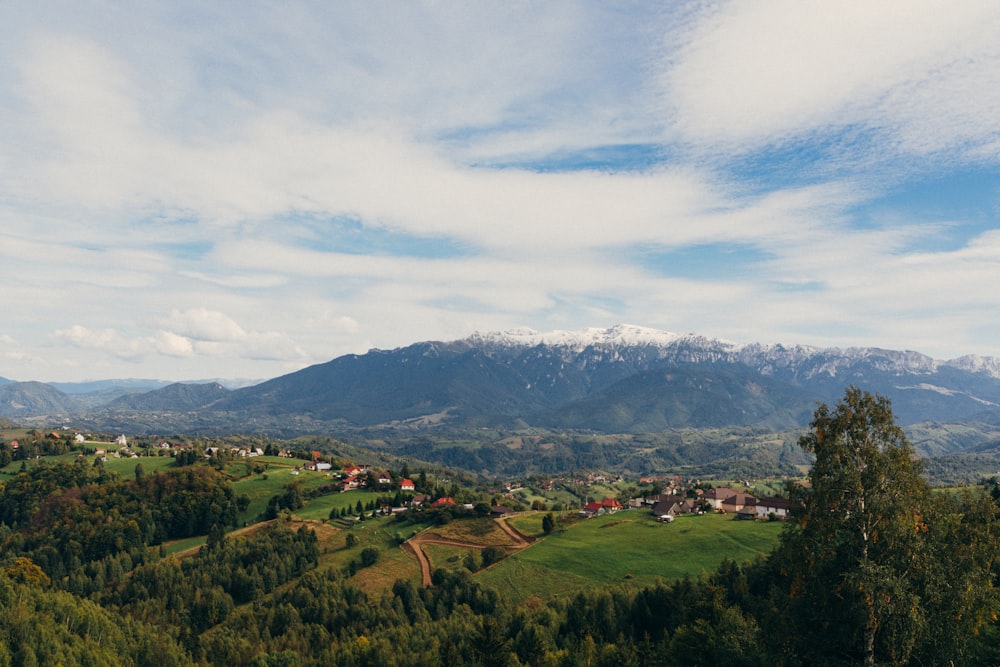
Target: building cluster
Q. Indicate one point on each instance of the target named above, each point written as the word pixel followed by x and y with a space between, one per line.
pixel 719 499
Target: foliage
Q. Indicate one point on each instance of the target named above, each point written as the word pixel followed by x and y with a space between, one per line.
pixel 874 567
pixel 877 569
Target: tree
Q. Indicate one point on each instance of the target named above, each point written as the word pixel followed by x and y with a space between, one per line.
pixel 860 561
pixel 369 556
pixel 548 523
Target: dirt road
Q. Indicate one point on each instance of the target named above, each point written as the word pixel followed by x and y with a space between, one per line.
pixel 415 546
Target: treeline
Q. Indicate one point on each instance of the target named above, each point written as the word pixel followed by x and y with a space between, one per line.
pixel 67 516
pixel 875 568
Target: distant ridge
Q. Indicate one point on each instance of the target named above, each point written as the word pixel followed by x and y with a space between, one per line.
pixel 619 379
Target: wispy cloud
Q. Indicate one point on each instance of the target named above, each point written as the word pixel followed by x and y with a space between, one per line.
pixel 187 192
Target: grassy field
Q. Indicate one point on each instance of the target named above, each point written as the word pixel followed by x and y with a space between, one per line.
pixel 628 546
pixel 124 467
pixel 393 562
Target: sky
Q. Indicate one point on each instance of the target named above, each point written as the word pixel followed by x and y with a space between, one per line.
pixel 237 190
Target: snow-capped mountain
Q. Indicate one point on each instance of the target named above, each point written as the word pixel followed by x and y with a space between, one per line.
pixel 769 359
pixel 619 379
pixel 622 378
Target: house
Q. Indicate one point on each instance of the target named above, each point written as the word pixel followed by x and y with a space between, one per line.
pixel 779 507
pixel 443 502
pixel 79 438
pixel 737 502
pixel 406 485
pixel 716 496
pixel 594 508
pixel 323 466
pixel 611 505
pixel 499 510
pixel 672 506
pixel 121 440
pixel 383 478
pixel 350 482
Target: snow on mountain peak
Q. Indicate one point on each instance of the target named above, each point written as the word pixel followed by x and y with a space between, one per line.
pixel 619 334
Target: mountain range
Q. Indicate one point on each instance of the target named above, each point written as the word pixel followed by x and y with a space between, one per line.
pixel 623 379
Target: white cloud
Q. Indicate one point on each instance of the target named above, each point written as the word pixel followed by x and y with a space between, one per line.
pixel 925 72
pixel 203 325
pixel 166 184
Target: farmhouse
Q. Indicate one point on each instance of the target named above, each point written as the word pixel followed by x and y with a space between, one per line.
pixel 714 497
pixel 672 507
pixel 779 507
pixel 606 506
pixel 737 502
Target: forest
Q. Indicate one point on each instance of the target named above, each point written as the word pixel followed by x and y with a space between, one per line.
pixel 876 567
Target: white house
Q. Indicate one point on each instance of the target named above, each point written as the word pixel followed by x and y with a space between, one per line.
pixel 779 507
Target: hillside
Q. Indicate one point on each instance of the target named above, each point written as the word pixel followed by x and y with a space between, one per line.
pixel 32 398
pixel 623 380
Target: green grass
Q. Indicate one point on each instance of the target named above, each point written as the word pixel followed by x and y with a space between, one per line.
pixel 393 562
pixel 319 508
pixel 629 546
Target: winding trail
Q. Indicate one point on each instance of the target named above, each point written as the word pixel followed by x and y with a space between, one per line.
pixel 415 546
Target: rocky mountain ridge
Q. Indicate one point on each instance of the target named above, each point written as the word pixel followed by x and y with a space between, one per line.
pixel 619 379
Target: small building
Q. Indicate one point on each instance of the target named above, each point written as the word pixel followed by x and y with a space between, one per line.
pixel 611 505
pixel 716 496
pixel 737 502
pixel 672 507
pixel 779 507
pixel 407 485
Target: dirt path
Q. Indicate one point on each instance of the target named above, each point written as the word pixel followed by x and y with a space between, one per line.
pixel 520 539
pixel 415 546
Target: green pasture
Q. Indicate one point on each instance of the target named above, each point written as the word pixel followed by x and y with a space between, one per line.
pixel 628 546
pixel 448 558
pixel 393 563
pixel 261 487
pixel 125 467
pixel 319 508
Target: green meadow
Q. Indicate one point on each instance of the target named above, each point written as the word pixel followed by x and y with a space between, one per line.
pixel 629 546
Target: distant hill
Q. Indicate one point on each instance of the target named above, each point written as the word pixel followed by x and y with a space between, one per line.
pixel 19 399
pixel 624 379
pixel 177 396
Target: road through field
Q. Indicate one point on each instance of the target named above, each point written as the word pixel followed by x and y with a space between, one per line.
pixel 415 546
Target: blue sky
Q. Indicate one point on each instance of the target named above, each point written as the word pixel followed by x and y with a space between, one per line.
pixel 238 190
